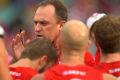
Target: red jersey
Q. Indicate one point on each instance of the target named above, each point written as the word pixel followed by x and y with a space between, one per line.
pixel 90 60
pixel 97 57
pixel 111 68
pixel 80 72
pixel 22 73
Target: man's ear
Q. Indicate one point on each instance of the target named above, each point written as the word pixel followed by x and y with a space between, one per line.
pixel 62 22
pixel 43 60
pixel 92 36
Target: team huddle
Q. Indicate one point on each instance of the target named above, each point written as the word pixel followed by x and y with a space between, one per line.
pixel 60 48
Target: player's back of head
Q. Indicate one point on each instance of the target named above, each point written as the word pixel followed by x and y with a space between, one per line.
pixel 74 35
pixel 107 34
pixel 40 47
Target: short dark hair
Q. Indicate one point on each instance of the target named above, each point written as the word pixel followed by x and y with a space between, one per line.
pixel 60 8
pixel 107 34
pixel 38 48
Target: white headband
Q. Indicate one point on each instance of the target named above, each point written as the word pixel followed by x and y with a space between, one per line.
pixel 2 32
pixel 92 19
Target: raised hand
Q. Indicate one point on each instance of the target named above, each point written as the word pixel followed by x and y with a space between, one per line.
pixel 18 44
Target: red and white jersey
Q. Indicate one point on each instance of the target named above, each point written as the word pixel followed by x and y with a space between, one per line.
pixel 111 68
pixel 79 72
pixel 22 73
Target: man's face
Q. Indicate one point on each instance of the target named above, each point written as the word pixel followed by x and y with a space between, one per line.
pixel 46 23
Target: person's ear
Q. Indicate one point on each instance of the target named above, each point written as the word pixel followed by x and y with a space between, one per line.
pixel 43 60
pixel 92 35
pixel 62 24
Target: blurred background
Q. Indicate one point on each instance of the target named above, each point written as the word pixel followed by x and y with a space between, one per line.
pixel 17 14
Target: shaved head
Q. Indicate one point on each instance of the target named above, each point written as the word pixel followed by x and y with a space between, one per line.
pixel 74 35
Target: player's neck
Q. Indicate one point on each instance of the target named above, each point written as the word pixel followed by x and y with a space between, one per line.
pixel 23 63
pixel 111 57
pixel 72 60
pixel 56 42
